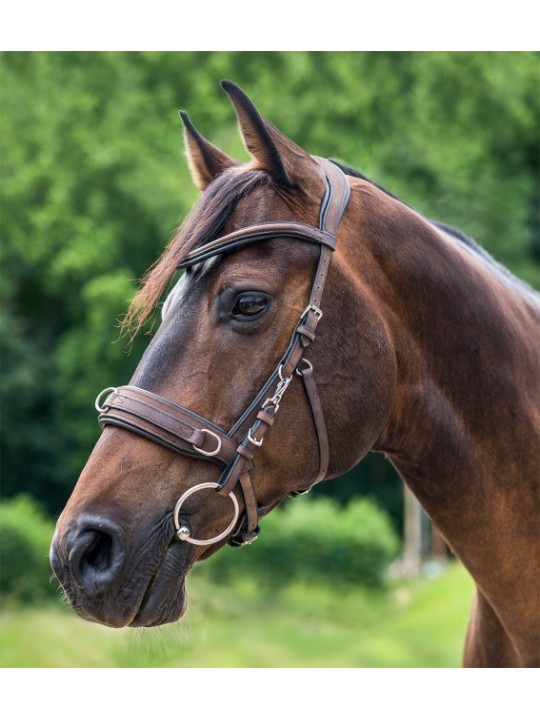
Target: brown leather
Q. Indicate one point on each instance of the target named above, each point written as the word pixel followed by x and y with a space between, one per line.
pixel 167 423
pixel 246 449
pixel 320 278
pixel 318 418
pixel 250 531
pixel 341 191
pixel 186 432
pixel 255 233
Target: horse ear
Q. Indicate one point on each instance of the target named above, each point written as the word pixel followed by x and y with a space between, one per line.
pixel 205 160
pixel 285 161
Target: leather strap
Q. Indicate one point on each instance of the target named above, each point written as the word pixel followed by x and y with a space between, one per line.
pixel 318 419
pixel 340 191
pixel 256 233
pixel 166 423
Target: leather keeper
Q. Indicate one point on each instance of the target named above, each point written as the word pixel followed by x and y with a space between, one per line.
pixel 308 335
pixel 265 418
pixel 242 450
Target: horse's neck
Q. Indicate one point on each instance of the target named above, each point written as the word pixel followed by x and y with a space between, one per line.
pixel 463 426
pixel 466 343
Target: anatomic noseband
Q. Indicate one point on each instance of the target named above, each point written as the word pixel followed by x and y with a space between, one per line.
pixel 186 432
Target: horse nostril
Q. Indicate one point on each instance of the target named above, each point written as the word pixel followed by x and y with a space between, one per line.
pixel 96 555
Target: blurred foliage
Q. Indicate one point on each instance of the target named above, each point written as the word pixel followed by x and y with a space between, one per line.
pixel 315 541
pixel 93 186
pixel 25 537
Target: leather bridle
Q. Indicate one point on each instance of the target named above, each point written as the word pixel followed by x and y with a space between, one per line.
pixel 186 432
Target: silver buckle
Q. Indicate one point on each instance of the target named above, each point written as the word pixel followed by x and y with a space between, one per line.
pixel 254 440
pixel 318 312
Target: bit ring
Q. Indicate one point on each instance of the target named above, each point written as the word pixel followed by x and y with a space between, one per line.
pixel 182 530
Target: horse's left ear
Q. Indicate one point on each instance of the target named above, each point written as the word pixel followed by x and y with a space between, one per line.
pixel 205 160
pixel 275 153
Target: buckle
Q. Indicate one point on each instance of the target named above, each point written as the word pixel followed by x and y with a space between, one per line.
pixel 314 309
pixel 243 538
pixel 254 440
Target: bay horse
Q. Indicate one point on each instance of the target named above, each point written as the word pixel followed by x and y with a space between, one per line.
pixel 427 350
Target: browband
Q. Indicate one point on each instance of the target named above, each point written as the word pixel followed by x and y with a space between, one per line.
pixel 256 233
pixel 184 431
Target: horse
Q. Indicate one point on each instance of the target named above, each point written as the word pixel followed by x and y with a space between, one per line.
pixel 422 347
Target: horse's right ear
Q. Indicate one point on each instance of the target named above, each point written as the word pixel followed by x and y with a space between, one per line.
pixel 205 160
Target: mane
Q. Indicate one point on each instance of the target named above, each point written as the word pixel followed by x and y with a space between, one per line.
pixel 451 232
pixel 204 223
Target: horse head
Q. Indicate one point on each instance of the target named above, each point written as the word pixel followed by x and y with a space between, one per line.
pixel 181 467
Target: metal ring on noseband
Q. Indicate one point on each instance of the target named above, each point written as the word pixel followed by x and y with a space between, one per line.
pixel 184 533
pixel 214 452
pixel 97 405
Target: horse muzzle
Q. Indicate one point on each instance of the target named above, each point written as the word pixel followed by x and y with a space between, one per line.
pixel 107 584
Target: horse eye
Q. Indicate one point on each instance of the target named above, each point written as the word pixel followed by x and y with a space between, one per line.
pixel 250 305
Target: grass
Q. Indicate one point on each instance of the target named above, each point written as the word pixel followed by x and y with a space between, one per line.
pixel 419 624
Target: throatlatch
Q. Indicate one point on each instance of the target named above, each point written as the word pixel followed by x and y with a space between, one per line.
pixel 184 431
